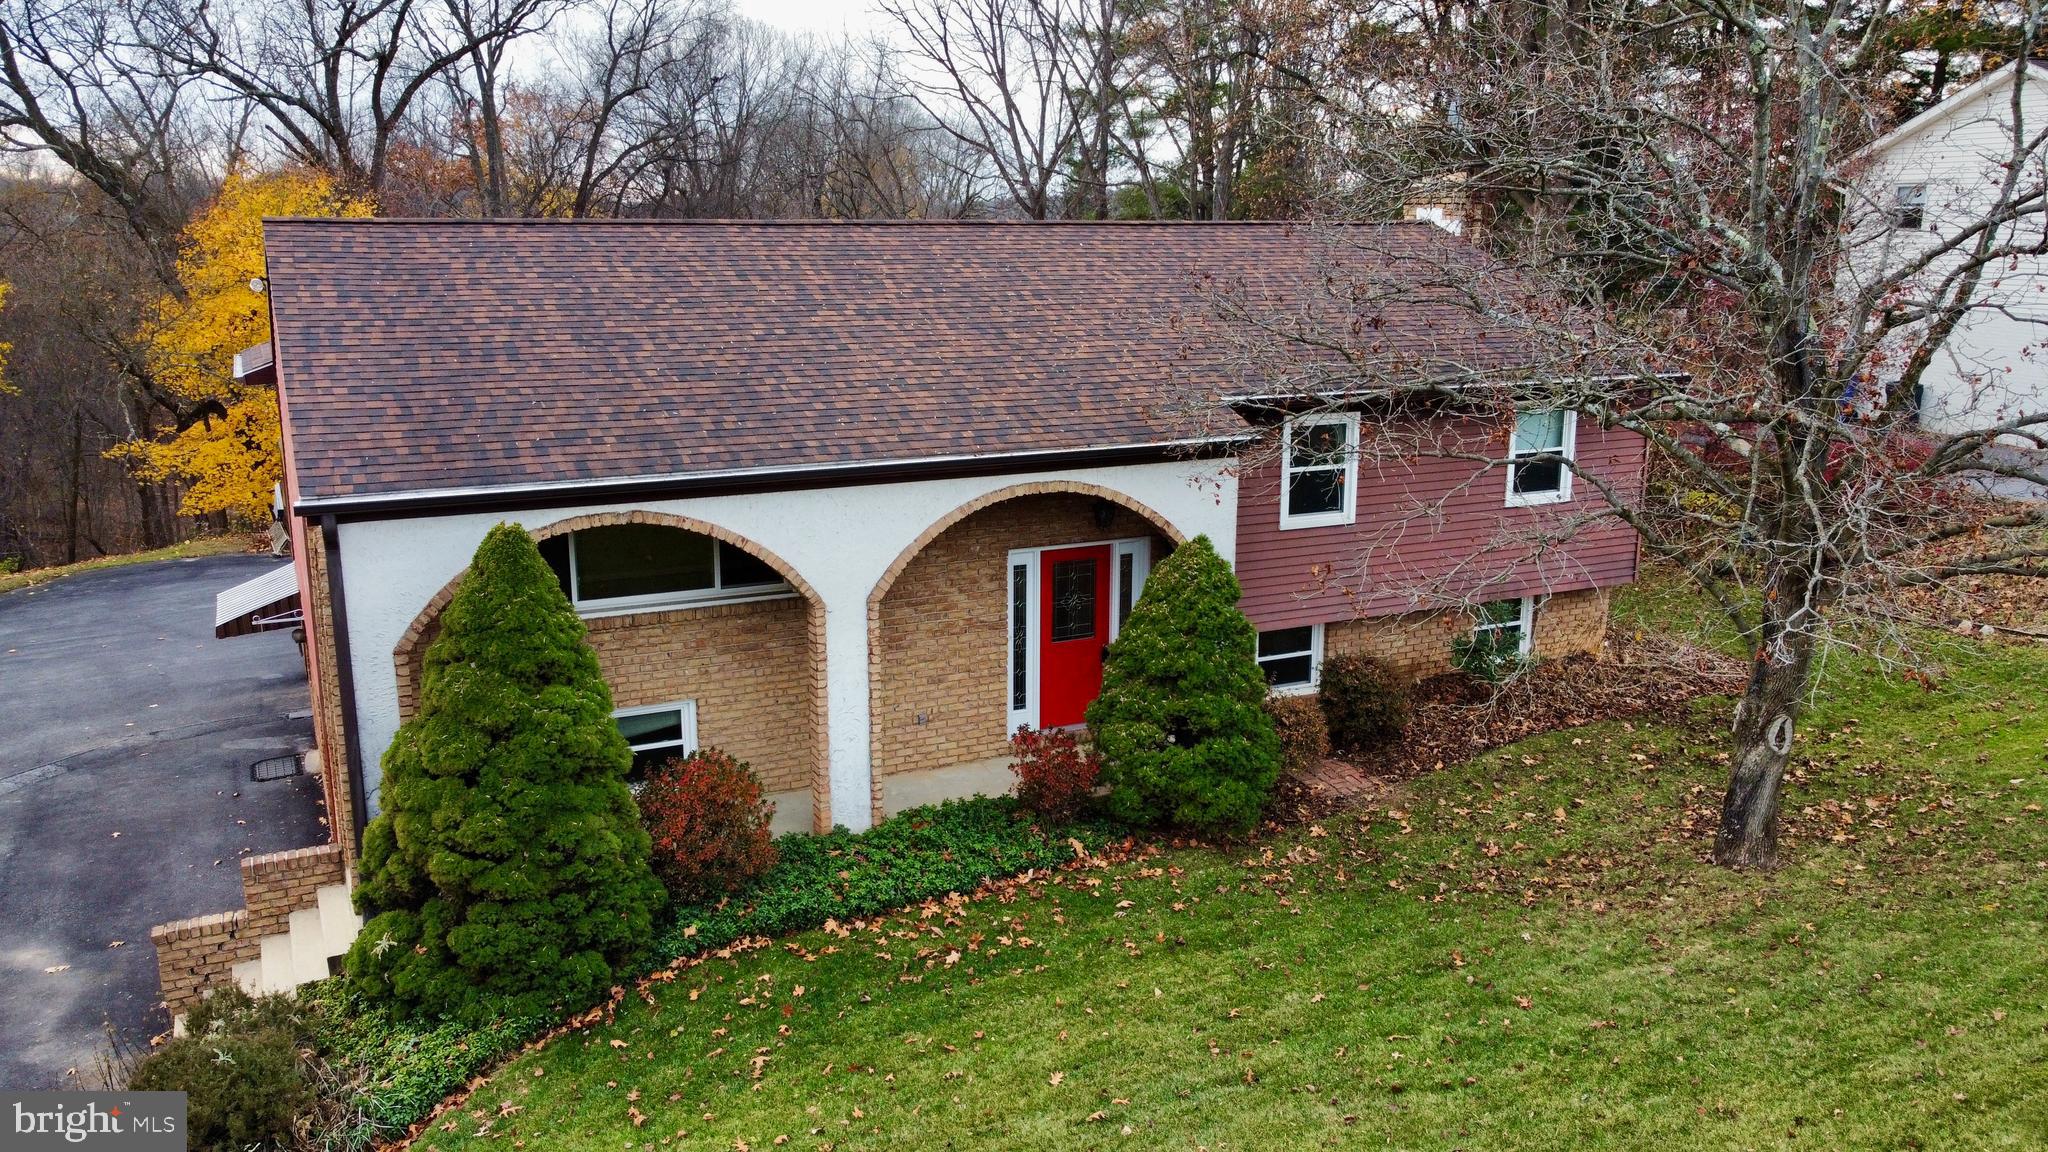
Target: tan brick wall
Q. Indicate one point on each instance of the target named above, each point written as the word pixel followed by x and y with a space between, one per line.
pixel 1414 644
pixel 1418 644
pixel 277 884
pixel 940 649
pixel 1572 622
pixel 201 953
pixel 746 666
pixel 327 723
pixel 197 954
pixel 756 671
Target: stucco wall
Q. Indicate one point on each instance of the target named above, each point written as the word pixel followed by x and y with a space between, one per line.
pixel 840 540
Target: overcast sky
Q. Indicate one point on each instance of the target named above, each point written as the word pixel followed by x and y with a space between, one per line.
pixel 826 17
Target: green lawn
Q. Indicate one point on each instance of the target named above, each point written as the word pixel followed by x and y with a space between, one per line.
pixel 1529 952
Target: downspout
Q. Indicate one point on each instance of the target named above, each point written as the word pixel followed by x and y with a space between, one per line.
pixel 337 607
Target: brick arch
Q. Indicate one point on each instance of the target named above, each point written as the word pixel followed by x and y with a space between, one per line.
pixel 938 528
pixel 999 496
pixel 408 655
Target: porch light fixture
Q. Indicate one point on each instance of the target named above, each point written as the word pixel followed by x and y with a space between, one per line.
pixel 1105 513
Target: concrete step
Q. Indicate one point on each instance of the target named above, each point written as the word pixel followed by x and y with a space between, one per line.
pixel 339 923
pixel 248 976
pixel 309 946
pixel 275 973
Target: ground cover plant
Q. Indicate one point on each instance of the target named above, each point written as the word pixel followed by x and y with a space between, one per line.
pixel 1527 950
pixel 384 1071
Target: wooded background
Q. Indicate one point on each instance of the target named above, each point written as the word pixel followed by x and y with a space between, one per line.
pixel 147 137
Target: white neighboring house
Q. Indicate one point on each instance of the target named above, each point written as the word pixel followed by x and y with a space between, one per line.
pixel 1932 175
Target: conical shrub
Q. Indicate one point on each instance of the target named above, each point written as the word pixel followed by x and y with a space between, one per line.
pixel 1179 725
pixel 507 872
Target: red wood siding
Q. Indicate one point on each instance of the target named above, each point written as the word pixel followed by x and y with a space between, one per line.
pixel 1434 528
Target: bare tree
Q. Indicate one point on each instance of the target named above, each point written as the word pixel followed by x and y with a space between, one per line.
pixel 1689 245
pixel 867 151
pixel 334 80
pixel 74 84
pixel 1002 76
pixel 482 84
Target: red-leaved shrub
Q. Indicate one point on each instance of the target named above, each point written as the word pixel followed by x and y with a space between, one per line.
pixel 1303 730
pixel 709 826
pixel 1054 774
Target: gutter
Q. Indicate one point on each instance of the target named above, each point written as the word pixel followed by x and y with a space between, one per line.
pixel 505 497
pixel 344 667
pixel 1281 400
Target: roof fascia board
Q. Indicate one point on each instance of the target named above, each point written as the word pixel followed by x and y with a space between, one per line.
pixel 443 501
pixel 1942 110
pixel 1344 396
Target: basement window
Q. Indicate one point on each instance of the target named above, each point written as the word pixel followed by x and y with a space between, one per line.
pixel 1291 657
pixel 658 732
pixel 1500 630
pixel 623 567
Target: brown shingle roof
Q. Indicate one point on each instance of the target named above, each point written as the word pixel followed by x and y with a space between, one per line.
pixel 433 355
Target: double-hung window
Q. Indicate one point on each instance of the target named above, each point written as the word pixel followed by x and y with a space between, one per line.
pixel 1538 456
pixel 1319 475
pixel 628 566
pixel 1909 207
pixel 1291 657
pixel 657 732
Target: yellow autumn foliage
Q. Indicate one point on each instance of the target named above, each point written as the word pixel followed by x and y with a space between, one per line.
pixel 226 463
pixel 6 347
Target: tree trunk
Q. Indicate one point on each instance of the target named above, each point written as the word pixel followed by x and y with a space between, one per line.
pixel 159 519
pixel 74 481
pixel 1764 724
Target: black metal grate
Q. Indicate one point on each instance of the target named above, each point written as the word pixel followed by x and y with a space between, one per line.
pixel 274 768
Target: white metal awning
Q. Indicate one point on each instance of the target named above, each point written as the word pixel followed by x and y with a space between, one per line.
pixel 259 605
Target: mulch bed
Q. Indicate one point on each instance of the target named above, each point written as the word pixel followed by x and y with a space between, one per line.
pixel 1454 717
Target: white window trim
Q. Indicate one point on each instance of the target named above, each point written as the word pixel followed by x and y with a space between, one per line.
pixel 1028 558
pixel 1525 623
pixel 688 724
pixel 1348 514
pixel 1315 665
pixel 695 598
pixel 1140 552
pixel 1570 452
pixel 1898 204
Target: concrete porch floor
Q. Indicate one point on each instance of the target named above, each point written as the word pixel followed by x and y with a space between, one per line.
pixel 991 777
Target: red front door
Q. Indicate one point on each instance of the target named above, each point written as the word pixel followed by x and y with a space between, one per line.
pixel 1074 615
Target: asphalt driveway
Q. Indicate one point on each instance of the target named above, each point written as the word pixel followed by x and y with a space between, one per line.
pixel 126 734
